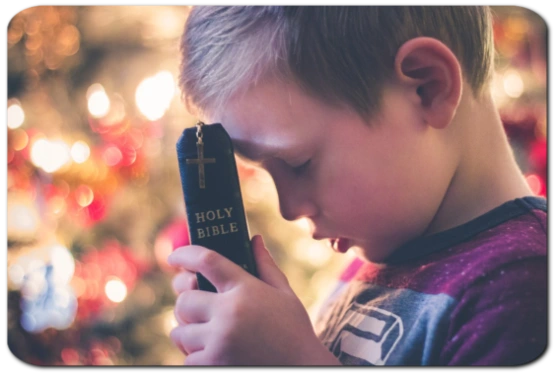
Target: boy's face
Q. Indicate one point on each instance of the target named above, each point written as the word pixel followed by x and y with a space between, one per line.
pixel 370 187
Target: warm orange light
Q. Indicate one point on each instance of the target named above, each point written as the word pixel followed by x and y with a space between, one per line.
pixel 535 183
pixel 112 156
pixel 20 139
pixel 84 195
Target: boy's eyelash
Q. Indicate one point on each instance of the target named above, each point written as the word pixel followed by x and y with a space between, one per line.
pixel 302 167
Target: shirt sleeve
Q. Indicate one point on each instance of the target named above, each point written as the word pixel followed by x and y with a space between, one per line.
pixel 502 318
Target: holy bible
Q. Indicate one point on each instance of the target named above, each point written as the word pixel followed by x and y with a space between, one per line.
pixel 211 188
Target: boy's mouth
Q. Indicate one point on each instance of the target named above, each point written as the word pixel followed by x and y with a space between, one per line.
pixel 341 245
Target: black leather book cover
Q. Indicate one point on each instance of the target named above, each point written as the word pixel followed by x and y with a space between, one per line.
pixel 214 209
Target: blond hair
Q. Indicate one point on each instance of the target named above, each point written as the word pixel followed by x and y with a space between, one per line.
pixel 340 55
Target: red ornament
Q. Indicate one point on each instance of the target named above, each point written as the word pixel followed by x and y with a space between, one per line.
pixel 109 130
pixel 538 187
pixel 70 356
pixel 97 209
pixel 177 232
pixel 129 156
pixel 173 236
pixel 538 155
pixel 96 268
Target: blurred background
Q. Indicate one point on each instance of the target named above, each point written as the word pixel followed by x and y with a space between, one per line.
pixel 94 203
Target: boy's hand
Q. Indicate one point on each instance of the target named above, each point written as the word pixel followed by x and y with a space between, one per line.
pixel 182 282
pixel 249 321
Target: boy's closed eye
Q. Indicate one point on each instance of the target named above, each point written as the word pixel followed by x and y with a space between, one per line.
pixel 256 158
pixel 301 168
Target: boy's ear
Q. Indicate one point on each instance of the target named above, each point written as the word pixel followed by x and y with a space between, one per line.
pixel 429 68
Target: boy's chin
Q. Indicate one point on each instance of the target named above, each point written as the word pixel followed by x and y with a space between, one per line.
pixel 368 254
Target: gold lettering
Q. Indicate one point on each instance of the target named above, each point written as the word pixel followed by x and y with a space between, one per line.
pixel 228 211
pixel 217 230
pixel 223 230
pixel 202 217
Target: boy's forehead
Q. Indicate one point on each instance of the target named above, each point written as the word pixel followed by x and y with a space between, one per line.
pixel 260 121
pixel 255 142
pixel 273 117
pixel 251 140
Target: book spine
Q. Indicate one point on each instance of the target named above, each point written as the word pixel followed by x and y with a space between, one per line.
pixel 215 213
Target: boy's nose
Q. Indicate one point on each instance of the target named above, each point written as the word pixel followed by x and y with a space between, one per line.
pixel 295 211
pixel 295 194
pixel 294 201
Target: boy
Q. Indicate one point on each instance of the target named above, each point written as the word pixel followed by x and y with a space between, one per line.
pixel 377 125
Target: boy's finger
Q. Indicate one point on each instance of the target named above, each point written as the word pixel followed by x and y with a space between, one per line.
pixel 199 358
pixel 184 281
pixel 175 338
pixel 219 270
pixel 268 270
pixel 194 306
pixel 189 338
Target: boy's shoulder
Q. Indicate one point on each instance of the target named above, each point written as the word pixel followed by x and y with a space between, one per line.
pixel 448 262
pixel 514 232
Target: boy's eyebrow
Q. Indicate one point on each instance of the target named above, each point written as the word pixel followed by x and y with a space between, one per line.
pixel 252 154
pixel 247 151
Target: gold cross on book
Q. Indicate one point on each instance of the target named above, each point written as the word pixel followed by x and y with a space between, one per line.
pixel 201 161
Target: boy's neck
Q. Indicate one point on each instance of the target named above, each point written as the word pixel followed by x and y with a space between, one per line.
pixel 487 175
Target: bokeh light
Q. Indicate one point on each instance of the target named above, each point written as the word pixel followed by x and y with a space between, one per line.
pixel 16 273
pixel 70 356
pixel 57 205
pixel 112 156
pixel 513 84
pixel 169 321
pixel 43 276
pixel 98 102
pixel 534 183
pixel 312 253
pixel 16 116
pixel 80 152
pixel 20 139
pixel 154 95
pixel 22 217
pixel 84 195
pixel 304 224
pixel 116 290
pixel 63 264
pixel 50 155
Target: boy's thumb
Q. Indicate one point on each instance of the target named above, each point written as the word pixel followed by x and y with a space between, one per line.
pixel 267 268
